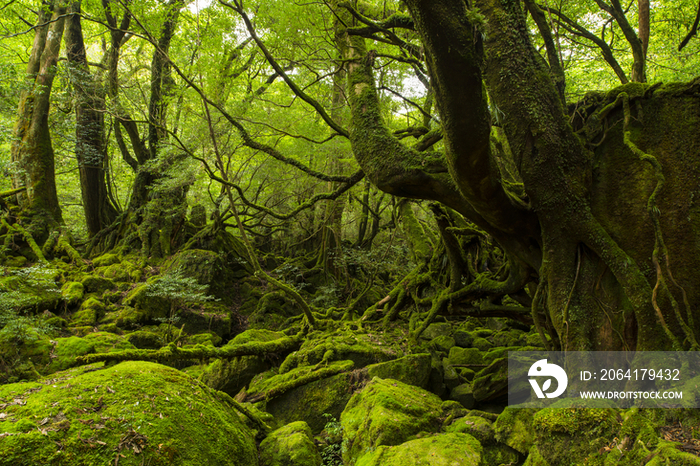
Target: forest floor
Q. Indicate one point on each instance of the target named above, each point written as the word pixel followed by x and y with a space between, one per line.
pixel 192 360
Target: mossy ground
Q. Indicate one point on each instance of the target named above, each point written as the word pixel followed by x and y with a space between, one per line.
pixel 391 420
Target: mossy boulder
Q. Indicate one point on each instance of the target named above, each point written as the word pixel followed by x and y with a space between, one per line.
pixel 72 292
pixel 96 284
pixel 387 412
pixel 568 433
pixel 105 260
pixel 450 449
pixel 152 307
pixel 514 427
pixel 443 343
pixel 291 445
pixel 413 369
pixel 465 356
pixel 464 394
pixel 308 402
pixel 491 383
pixel 133 413
pixel 436 330
pixel 463 339
pixel 14 261
pixel 209 268
pixel 230 376
pixel 146 339
pixel 124 271
pixel 24 352
pixel 91 311
pixel 482 344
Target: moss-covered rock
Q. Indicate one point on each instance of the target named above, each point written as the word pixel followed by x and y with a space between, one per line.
pixel 386 412
pixel 413 369
pixel 105 260
pixel 482 344
pixel 464 394
pixel 291 445
pixel 24 352
pixel 72 292
pixel 569 434
pixel 138 412
pixel 443 343
pixel 514 427
pixel 491 383
pixel 230 376
pixel 209 268
pixel 91 311
pixel 463 339
pixel 449 449
pixel 437 329
pixel 465 356
pixel 124 271
pixel 151 306
pixel 309 401
pixel 145 339
pixel 96 284
pixel 14 261
pixel 67 349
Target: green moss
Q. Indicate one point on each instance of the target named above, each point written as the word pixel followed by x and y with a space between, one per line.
pixel 72 292
pixel 442 343
pixel 482 344
pixel 142 412
pixel 514 427
pixel 311 400
pixel 465 356
pixel 413 369
pixel 105 260
pixel 362 349
pixel 438 450
pixel 91 311
pixel 534 458
pixel 386 412
pixel 67 349
pixel 476 426
pixel 95 284
pixel 206 338
pixel 230 376
pixel 151 306
pixel 291 445
pixel 145 339
pixel 436 330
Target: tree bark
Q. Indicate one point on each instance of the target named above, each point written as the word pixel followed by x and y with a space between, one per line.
pixel 32 151
pixel 89 97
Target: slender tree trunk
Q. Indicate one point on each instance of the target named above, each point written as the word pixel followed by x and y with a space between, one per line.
pixel 644 25
pixel 31 150
pixel 89 130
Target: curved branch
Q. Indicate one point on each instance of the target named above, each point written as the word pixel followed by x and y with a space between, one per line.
pixel 237 7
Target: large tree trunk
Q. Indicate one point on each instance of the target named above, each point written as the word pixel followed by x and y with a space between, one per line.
pixel 89 130
pixel 611 278
pixel 32 151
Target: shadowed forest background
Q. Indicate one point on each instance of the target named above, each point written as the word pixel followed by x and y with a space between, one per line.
pixel 244 232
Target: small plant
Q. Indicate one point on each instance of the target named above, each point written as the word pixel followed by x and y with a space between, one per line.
pixel 179 290
pixel 333 433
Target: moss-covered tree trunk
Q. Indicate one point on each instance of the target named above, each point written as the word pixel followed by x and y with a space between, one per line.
pixel 605 223
pixel 32 151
